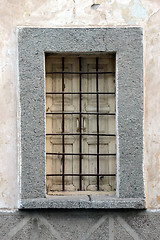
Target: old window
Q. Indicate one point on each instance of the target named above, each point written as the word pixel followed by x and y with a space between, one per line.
pixel 94 46
pixel 80 123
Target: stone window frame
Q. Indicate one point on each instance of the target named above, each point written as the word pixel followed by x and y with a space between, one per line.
pixel 127 43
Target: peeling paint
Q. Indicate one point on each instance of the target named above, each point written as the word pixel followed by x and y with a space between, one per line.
pixel 131 12
pixel 158 199
pixel 95 6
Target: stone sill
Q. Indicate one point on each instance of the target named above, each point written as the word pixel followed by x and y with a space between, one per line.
pixel 83 202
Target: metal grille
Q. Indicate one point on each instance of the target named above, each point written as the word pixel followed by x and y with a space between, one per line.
pixel 79 114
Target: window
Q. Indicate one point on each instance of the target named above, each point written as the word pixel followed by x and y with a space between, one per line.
pixel 93 46
pixel 80 123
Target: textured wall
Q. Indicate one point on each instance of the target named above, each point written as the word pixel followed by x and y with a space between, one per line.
pixel 80 225
pixel 73 13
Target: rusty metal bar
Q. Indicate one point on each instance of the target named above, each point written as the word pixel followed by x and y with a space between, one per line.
pixel 83 134
pixel 82 174
pixel 63 72
pixel 80 125
pixel 108 93
pixel 82 154
pixel 63 146
pixel 88 113
pixel 97 124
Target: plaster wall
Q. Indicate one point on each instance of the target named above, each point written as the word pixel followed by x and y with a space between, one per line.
pixel 77 13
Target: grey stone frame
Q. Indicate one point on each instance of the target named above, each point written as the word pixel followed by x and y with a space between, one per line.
pixel 127 43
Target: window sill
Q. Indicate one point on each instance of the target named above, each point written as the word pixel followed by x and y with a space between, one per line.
pixel 83 202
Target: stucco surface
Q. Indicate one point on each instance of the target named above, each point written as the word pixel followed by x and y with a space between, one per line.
pixel 76 13
pixel 152 113
pixel 80 225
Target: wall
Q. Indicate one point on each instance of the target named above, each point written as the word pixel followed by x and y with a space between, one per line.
pixel 77 13
pixel 77 224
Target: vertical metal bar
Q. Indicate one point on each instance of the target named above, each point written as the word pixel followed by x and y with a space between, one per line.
pixel 63 146
pixel 80 125
pixel 97 123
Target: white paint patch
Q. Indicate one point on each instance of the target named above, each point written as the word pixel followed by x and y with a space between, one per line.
pixel 117 13
pixel 126 2
pixel 138 11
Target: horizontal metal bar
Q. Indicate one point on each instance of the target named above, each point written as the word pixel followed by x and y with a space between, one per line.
pixel 82 154
pixel 80 174
pixel 89 113
pixel 80 72
pixel 83 134
pixel 108 93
